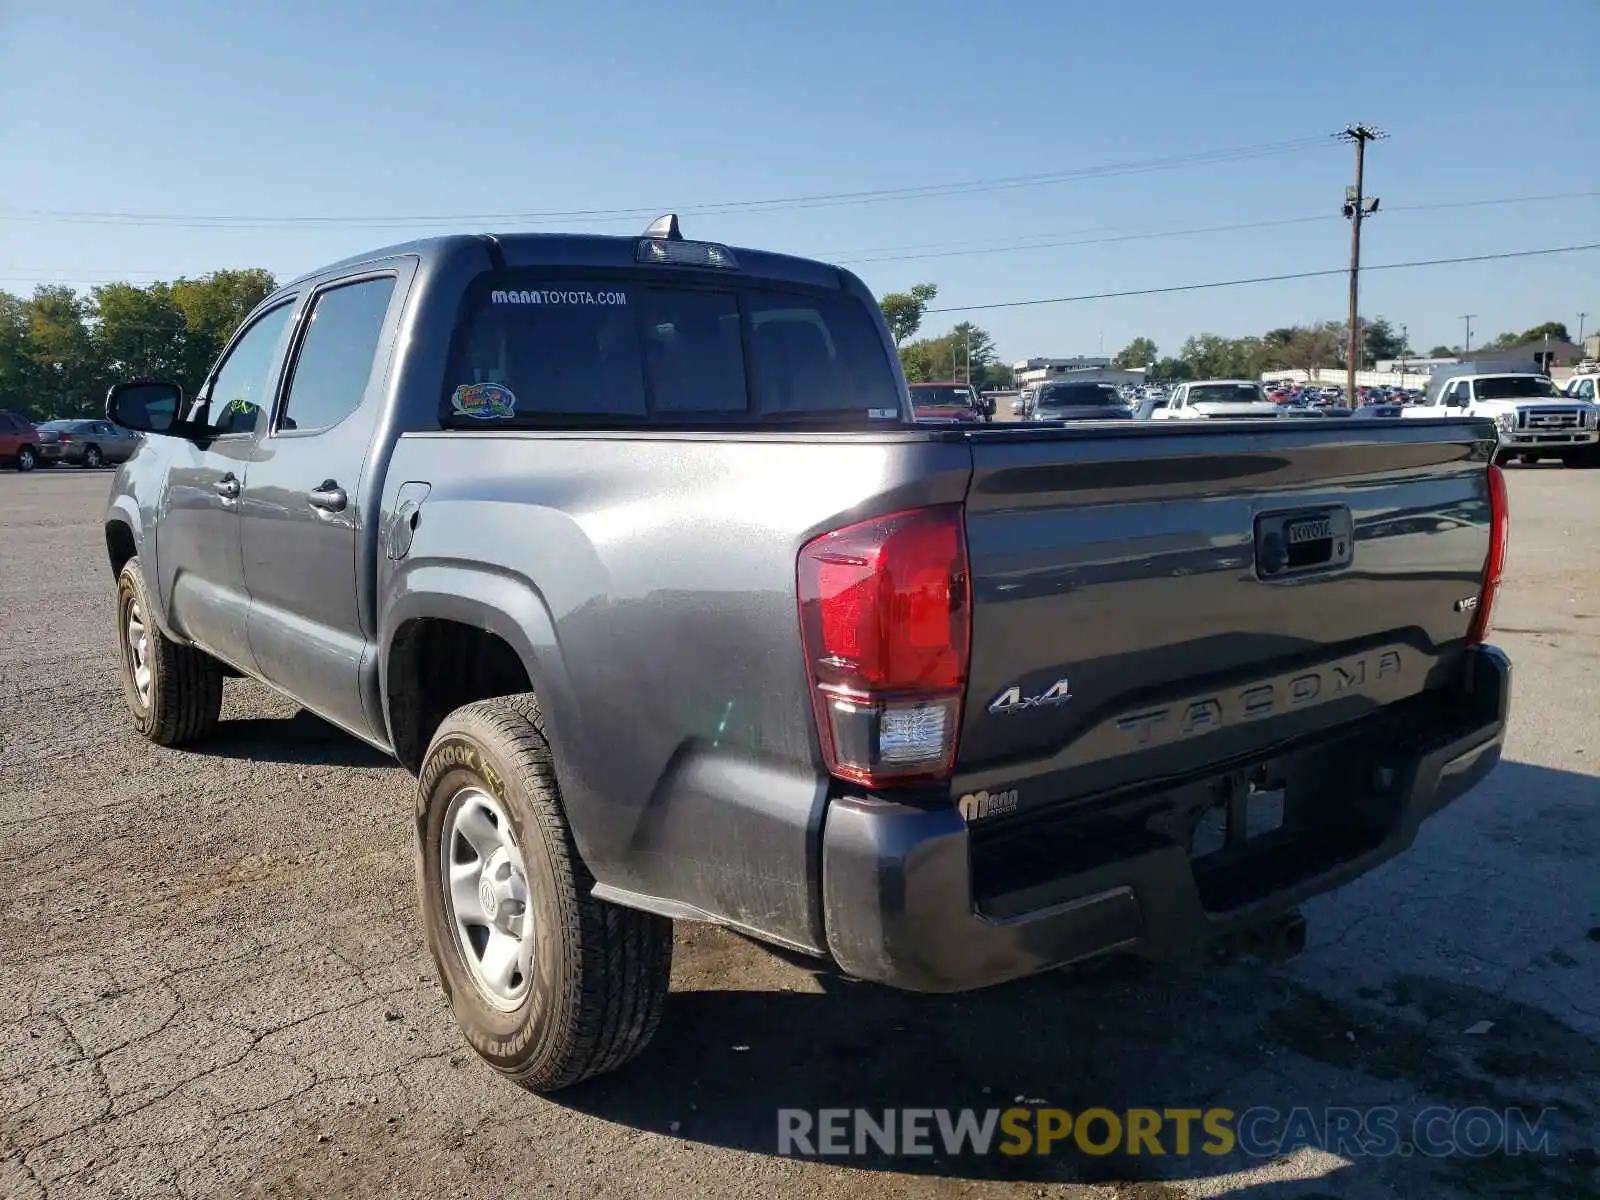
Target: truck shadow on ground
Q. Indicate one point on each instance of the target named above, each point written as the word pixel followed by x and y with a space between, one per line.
pixel 303 739
pixel 1123 1035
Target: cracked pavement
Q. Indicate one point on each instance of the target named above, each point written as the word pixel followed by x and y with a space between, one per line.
pixel 213 982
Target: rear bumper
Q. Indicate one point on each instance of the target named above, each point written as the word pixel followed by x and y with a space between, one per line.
pixel 53 452
pixel 911 900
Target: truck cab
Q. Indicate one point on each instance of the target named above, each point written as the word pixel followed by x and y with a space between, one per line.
pixel 1532 417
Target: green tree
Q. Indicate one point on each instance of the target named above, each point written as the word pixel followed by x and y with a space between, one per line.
pixel 139 331
pixel 1172 370
pixel 67 380
pixel 1301 348
pixel 1140 352
pixel 1443 352
pixel 903 311
pixel 1210 356
pixel 17 367
pixel 213 306
pixel 974 351
pixel 1556 331
pixel 1380 339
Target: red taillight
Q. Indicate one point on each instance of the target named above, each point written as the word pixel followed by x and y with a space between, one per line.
pixel 1499 535
pixel 885 619
pixel 63 438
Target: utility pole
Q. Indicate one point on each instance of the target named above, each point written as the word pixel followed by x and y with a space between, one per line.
pixel 1357 207
pixel 1466 348
pixel 1581 316
pixel 969 354
pixel 1405 348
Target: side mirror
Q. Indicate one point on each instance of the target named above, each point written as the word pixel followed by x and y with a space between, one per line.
pixel 153 406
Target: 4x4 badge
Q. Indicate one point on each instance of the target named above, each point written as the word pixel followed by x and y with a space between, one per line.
pixel 1012 699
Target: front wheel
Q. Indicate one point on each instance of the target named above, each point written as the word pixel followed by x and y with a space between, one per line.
pixel 27 459
pixel 92 459
pixel 174 692
pixel 549 985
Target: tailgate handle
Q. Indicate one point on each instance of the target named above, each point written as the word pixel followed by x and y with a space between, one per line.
pixel 1304 541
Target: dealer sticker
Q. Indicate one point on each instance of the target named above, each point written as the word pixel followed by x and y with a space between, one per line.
pixel 484 401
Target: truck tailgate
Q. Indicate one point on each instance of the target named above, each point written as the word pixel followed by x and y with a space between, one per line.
pixel 1155 602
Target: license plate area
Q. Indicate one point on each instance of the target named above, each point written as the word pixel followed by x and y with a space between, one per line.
pixel 1246 810
pixel 1303 542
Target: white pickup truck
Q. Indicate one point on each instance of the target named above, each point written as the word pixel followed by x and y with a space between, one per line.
pixel 1231 398
pixel 1534 420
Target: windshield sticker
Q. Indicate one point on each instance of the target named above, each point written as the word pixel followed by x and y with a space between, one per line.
pixel 484 401
pixel 543 296
pixel 883 414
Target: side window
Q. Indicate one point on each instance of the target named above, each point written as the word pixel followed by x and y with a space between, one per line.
pixel 329 376
pixel 1586 389
pixel 238 390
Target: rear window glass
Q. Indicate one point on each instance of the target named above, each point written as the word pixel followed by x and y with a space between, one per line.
pixel 1069 394
pixel 1225 393
pixel 620 354
pixel 934 395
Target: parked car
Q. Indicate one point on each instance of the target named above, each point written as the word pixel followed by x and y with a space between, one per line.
pixel 1229 398
pixel 19 441
pixel 85 443
pixel 947 402
pixel 627 547
pixel 1146 406
pixel 1533 419
pixel 1064 401
pixel 1384 411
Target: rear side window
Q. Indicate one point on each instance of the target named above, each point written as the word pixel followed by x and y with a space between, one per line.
pixel 634 354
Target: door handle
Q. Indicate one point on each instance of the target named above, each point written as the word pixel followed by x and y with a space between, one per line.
pixel 227 487
pixel 328 496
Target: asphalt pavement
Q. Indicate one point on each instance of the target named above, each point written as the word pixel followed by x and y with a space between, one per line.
pixel 212 978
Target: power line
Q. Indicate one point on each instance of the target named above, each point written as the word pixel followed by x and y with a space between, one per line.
pixel 90 275
pixel 1225 283
pixel 771 204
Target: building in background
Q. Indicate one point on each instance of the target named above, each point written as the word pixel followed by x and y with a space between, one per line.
pixel 1037 370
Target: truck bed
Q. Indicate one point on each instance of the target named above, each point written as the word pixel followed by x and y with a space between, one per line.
pixel 651 578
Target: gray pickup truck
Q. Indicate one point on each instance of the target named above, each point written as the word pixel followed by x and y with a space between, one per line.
pixel 632 551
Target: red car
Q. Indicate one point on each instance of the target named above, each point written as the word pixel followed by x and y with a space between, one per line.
pixel 19 441
pixel 946 402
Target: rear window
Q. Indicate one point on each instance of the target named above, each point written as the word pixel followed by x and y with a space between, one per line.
pixel 933 395
pixel 619 354
pixel 1224 393
pixel 1072 394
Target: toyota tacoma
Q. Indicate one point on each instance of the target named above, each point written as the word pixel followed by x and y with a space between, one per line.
pixel 632 551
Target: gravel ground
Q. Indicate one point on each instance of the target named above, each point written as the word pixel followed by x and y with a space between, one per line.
pixel 212 980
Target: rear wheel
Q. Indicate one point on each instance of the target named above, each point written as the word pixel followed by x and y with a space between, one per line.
pixel 549 985
pixel 27 459
pixel 174 692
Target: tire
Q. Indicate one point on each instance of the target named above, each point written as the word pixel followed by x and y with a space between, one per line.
pixel 595 986
pixel 91 458
pixel 182 699
pixel 27 459
pixel 1502 457
pixel 1529 459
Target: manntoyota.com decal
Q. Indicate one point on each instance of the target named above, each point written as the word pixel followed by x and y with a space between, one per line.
pixel 557 296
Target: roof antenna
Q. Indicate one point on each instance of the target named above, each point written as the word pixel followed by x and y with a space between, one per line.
pixel 665 227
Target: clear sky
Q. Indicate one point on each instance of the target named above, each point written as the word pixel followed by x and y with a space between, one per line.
pixel 302 109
